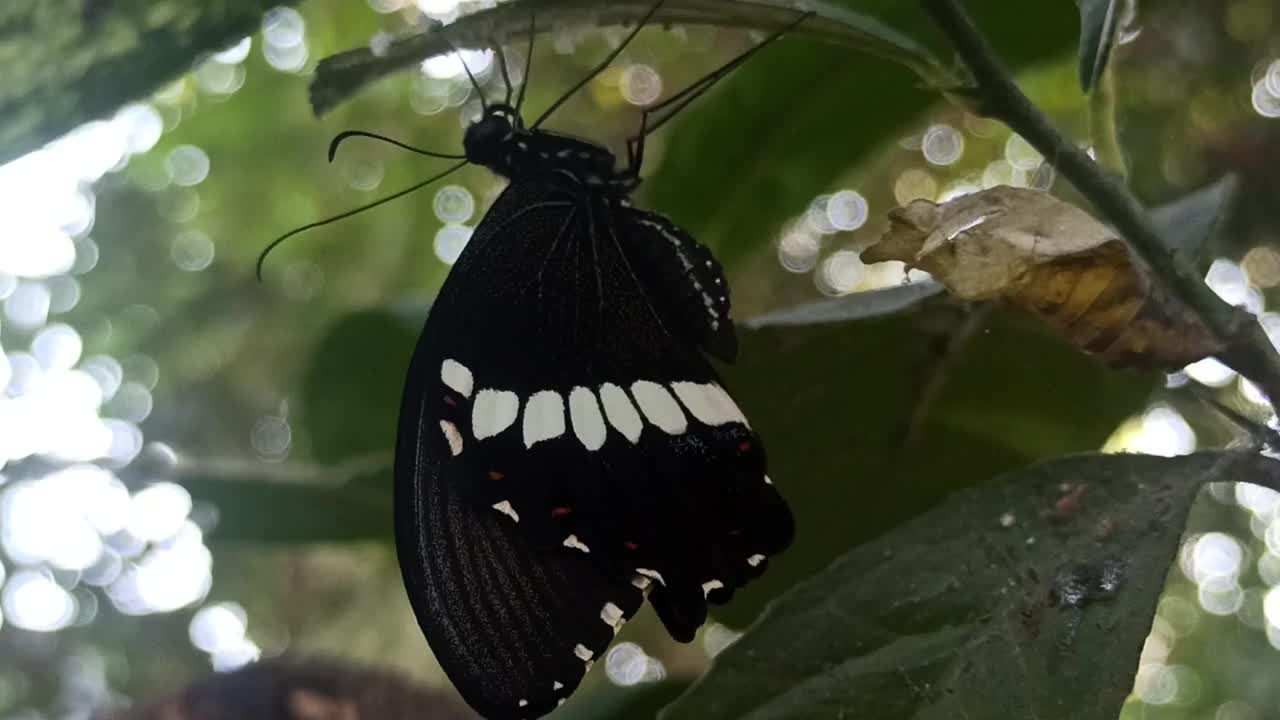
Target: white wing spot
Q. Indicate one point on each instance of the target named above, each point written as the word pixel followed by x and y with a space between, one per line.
pixel 557 685
pixel 710 585
pixel 651 574
pixel 611 615
pixel 493 412
pixel 505 508
pixel 730 408
pixel 583 653
pixel 767 481
pixel 641 582
pixel 523 702
pixel 708 402
pixel 621 413
pixel 543 417
pixel 452 435
pixel 455 375
pixel 755 560
pixel 588 424
pixel 573 542
pixel 659 406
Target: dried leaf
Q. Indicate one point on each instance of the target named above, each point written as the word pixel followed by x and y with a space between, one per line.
pixel 1033 251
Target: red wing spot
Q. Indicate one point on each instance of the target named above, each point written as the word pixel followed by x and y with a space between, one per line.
pixel 560 512
pixel 630 545
pixel 495 475
pixel 450 401
pixel 744 446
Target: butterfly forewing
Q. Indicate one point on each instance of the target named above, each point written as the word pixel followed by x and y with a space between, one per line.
pixel 565 446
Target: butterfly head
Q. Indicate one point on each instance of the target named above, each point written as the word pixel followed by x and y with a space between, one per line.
pixel 487 140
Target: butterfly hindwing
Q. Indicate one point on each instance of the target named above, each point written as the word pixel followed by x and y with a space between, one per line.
pixel 565 447
pixel 684 280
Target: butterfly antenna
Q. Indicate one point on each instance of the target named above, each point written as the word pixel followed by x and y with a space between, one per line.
pixel 682 99
pixel 506 74
pixel 343 215
pixel 342 136
pixel 448 43
pixel 528 61
pixel 599 68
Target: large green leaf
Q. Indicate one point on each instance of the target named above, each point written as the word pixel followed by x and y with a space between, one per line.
pixel 70 61
pixel 1007 601
pixel 869 423
pixel 795 118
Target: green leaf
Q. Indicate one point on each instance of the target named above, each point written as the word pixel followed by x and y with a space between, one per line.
pixel 340 76
pixel 792 121
pixel 260 509
pixel 1018 599
pixel 1190 221
pixel 70 62
pixel 855 306
pixel 891 414
pixel 1097 36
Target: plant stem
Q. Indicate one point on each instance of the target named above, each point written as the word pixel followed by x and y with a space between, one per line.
pixel 1102 124
pixel 1246 347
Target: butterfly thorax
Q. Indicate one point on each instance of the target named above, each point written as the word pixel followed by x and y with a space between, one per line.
pixel 500 142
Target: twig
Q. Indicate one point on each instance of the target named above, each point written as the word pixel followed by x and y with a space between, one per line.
pixel 293 473
pixel 1247 349
pixel 1261 434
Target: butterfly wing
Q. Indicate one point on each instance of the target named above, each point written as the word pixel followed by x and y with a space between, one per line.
pixel 565 447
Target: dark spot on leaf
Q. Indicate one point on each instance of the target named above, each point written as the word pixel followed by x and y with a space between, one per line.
pixel 1079 584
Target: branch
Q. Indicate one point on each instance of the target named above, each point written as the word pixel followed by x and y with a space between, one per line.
pixel 224 469
pixel 1247 349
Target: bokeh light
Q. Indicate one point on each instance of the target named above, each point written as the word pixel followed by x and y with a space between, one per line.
pixel 627 664
pixel 454 204
pixel 450 241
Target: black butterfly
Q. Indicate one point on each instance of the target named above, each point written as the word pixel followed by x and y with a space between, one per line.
pixel 565 448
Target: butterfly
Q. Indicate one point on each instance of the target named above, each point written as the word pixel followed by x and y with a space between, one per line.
pixel 565 447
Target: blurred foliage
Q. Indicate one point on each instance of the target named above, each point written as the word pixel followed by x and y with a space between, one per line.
pixel 72 61
pixel 300 689
pixel 870 422
pixel 756 168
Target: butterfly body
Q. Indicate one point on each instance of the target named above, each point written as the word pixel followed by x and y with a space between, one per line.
pixel 565 447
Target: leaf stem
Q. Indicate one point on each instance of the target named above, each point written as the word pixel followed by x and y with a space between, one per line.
pixel 1262 435
pixel 1247 349
pixel 1102 124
